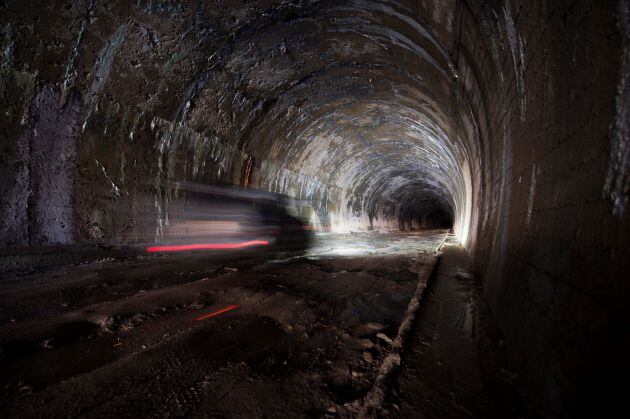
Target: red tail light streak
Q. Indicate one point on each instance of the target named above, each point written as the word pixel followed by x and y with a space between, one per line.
pixel 207 246
pixel 216 313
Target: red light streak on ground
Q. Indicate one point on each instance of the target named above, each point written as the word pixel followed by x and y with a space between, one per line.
pixel 207 246
pixel 216 313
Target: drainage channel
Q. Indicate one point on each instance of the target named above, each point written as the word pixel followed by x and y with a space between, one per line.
pixel 373 401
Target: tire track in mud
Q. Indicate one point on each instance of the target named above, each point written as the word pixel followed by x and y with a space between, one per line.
pixel 290 336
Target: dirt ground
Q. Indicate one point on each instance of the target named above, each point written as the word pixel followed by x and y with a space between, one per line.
pixel 115 331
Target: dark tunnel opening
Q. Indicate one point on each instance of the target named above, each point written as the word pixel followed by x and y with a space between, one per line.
pixel 422 213
pixel 440 218
pixel 431 218
pixel 314 136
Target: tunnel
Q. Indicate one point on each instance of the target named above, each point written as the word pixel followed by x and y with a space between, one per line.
pixel 493 133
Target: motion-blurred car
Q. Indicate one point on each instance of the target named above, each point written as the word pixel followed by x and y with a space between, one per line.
pixel 210 217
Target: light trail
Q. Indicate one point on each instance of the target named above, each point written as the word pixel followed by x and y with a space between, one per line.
pixel 216 313
pixel 207 246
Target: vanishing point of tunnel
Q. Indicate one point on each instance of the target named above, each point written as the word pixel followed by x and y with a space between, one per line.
pixel 314 208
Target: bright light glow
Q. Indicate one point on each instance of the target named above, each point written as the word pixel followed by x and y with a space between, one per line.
pixel 207 246
pixel 352 250
pixel 216 313
pixel 348 251
pixel 463 220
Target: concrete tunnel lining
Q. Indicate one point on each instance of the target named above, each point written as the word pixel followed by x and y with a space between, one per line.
pixel 376 113
pixel 368 113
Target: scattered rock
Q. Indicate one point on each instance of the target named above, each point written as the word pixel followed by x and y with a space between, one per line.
pixel 370 328
pixel 366 343
pixel 287 327
pixel 197 305
pixel 385 338
pixel 103 322
pixel 25 389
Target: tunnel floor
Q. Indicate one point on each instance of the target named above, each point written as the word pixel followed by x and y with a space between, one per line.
pixel 455 365
pixel 116 332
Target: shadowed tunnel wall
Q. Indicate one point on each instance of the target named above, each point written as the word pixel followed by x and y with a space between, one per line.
pixel 508 118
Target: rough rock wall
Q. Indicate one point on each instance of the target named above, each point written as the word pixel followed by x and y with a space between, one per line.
pixel 94 96
pixel 552 242
pixel 350 113
pixel 16 90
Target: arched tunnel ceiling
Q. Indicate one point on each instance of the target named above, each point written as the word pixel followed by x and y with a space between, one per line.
pixel 354 108
pixel 358 96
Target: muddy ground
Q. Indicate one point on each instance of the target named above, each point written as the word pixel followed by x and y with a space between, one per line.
pixel 114 331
